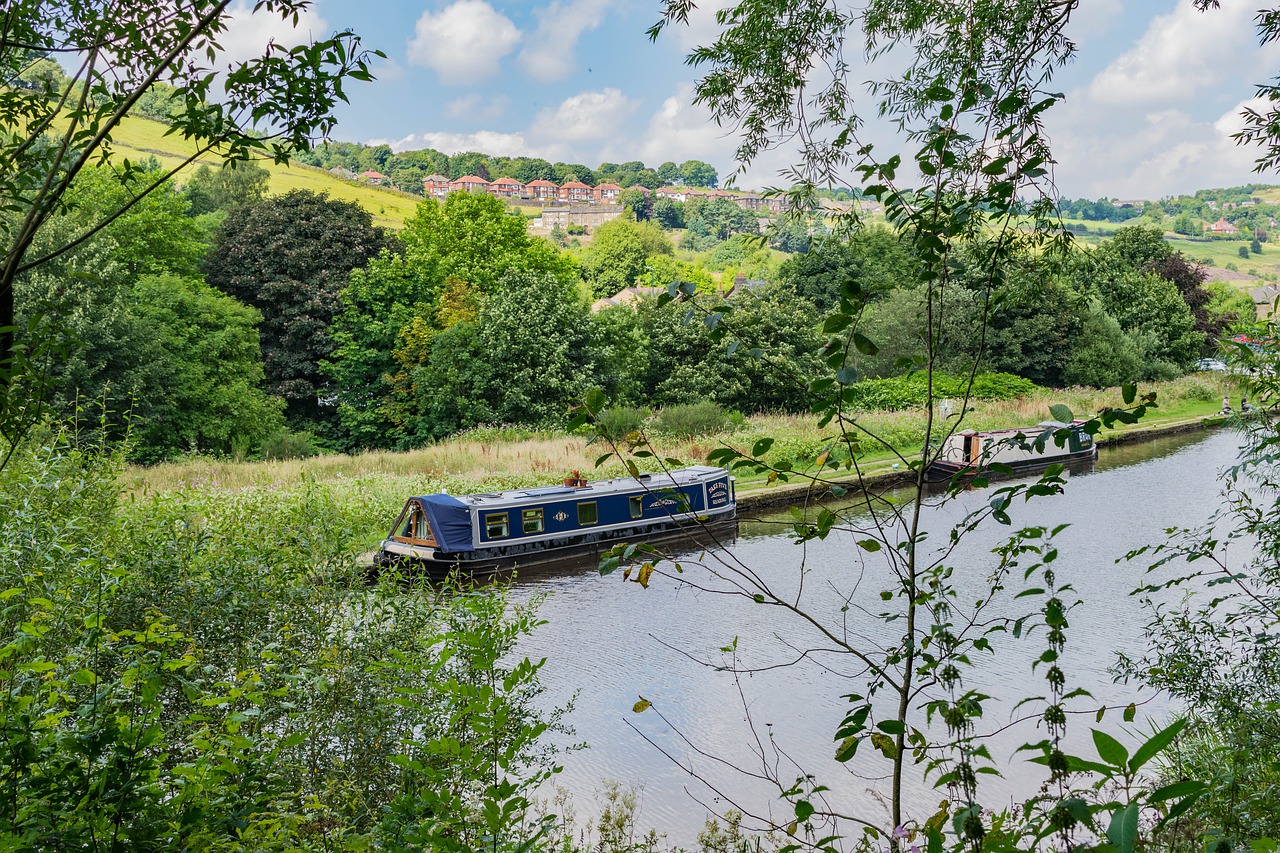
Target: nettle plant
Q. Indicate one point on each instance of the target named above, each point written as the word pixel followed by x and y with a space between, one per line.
pixel 970 101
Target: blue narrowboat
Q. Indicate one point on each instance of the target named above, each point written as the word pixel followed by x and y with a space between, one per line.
pixel 486 532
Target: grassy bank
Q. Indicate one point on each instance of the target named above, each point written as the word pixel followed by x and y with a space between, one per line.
pixel 486 459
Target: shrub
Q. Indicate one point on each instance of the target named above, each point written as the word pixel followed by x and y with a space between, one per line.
pixel 576 230
pixel 621 421
pixel 691 420
pixel 285 444
pixel 904 392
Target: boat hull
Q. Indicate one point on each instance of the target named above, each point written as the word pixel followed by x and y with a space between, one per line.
pixel 946 469
pixel 687 534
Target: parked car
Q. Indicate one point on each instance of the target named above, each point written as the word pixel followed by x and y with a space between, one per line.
pixel 1211 364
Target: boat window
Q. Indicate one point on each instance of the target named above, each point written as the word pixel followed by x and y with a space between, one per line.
pixel 587 513
pixel 495 525
pixel 408 527
pixel 637 506
pixel 531 520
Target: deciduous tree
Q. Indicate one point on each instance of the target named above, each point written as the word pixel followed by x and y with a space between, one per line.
pixel 289 257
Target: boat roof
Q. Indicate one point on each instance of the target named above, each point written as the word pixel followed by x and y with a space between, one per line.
pixel 646 482
pixel 1011 431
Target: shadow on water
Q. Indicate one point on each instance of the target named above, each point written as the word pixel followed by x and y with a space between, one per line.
pixel 612 642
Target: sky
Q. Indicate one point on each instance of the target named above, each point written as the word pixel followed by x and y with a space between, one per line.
pixel 1152 96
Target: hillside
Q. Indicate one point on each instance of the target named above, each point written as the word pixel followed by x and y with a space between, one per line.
pixel 139 137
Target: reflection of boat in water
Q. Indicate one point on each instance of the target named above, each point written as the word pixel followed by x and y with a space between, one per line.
pixel 1021 450
pixel 494 531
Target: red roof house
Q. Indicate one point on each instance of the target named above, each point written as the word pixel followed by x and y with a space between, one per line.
pixel 542 189
pixel 506 188
pixel 470 184
pixel 607 193
pixel 575 191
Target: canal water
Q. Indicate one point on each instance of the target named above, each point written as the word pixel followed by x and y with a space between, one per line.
pixel 609 642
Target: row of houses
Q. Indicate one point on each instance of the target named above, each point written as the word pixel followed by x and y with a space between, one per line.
pixel 576 192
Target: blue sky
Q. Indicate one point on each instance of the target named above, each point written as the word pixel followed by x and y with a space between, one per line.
pixel 1151 99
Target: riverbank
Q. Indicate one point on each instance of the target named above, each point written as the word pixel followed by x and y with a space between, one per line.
pixel 493 458
pixel 886 475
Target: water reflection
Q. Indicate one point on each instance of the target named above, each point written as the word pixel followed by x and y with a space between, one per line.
pixel 614 642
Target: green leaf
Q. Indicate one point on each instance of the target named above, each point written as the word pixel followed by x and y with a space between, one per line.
pixel 1130 712
pixel 1061 413
pixel 1129 391
pixel 595 401
pixel 641 706
pixel 864 344
pixel 761 447
pixel 1176 790
pixel 891 727
pixel 846 749
pixel 1123 831
pixel 869 545
pixel 1110 750
pixel 804 810
pixel 885 744
pixel 1157 742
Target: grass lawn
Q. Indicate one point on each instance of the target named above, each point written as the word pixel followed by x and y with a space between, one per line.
pixel 1223 252
pixel 138 138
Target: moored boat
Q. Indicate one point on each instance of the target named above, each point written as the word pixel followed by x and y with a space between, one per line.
pixel 974 452
pixel 487 532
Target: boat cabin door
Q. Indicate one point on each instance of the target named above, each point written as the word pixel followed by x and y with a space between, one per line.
pixel 972 448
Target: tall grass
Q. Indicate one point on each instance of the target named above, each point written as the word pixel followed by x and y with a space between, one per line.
pixel 485 459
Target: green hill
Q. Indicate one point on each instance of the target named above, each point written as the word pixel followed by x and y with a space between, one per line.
pixel 137 138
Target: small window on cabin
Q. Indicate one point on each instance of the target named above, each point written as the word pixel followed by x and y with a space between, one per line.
pixel 408 522
pixel 637 507
pixel 495 525
pixel 531 520
pixel 587 514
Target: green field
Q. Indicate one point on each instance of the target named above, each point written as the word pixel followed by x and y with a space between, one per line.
pixel 137 138
pixel 1223 252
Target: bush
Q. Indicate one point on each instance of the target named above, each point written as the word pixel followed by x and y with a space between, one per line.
pixel 576 230
pixel 904 392
pixel 621 421
pixel 691 420
pixel 285 444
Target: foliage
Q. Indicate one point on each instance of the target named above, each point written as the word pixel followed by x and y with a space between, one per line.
pixel 912 391
pixel 619 252
pixel 1216 648
pixel 469 238
pixel 268 105
pixel 1103 355
pixel 229 188
pixel 690 419
pixel 285 444
pixel 876 258
pixel 289 257
pixel 200 350
pixel 212 671
pixel 524 360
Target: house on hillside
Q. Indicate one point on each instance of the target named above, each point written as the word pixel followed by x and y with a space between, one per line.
pixel 749 200
pixel 469 184
pixel 372 177
pixel 606 193
pixel 673 193
pixel 543 190
pixel 1222 226
pixel 627 296
pixel 435 186
pixel 575 191
pixel 506 188
pixel 642 189
pixel 342 172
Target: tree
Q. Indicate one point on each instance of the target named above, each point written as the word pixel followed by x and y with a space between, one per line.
pixel 668 213
pixel 525 360
pixel 232 186
pixel 201 352
pixel 619 252
pixel 1244 252
pixel 1255 247
pixel 468 237
pixel 48 141
pixel 640 204
pixel 669 172
pixel 289 257
pixel 695 173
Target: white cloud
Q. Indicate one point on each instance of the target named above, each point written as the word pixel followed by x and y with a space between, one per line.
pixel 585 116
pixel 548 54
pixel 464 42
pixel 248 34
pixel 701 28
pixel 1182 54
pixel 476 107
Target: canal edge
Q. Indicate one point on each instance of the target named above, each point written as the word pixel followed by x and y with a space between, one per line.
pixel 764 497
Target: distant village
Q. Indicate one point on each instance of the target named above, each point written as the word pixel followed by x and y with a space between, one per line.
pixel 570 192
